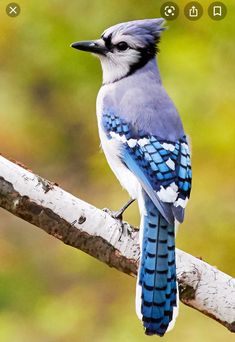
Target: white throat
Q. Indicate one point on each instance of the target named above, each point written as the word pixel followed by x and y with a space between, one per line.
pixel 116 67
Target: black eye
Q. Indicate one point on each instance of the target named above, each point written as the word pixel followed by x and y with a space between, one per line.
pixel 122 46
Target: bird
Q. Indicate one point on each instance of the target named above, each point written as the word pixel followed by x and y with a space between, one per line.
pixel 145 144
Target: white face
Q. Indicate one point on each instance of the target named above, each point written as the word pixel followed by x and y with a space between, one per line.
pixel 117 62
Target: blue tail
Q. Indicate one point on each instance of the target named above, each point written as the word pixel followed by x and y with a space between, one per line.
pixel 157 274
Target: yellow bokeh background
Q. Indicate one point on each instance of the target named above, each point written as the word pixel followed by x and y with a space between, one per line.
pixel 50 292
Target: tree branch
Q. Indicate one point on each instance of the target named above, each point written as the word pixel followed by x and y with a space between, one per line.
pixel 95 232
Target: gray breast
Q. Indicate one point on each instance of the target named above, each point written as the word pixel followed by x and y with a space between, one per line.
pixel 142 101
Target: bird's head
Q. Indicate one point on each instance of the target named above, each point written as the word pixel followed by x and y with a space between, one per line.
pixel 125 47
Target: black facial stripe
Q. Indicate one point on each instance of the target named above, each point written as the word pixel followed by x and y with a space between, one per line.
pixel 145 55
pixel 107 41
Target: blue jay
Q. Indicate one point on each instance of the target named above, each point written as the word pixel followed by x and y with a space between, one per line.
pixel 145 145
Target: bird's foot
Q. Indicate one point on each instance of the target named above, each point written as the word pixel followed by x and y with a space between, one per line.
pixel 117 215
pixel 126 229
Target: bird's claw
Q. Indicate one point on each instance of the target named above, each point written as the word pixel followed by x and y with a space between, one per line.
pixel 126 229
pixel 117 215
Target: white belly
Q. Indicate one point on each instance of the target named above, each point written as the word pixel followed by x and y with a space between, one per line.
pixel 111 148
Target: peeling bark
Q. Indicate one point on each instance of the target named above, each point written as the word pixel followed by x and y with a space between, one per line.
pixel 83 226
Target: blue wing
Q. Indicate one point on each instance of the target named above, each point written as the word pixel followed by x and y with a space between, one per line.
pixel 162 167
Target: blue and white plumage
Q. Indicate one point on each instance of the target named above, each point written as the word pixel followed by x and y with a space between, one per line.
pixel 144 142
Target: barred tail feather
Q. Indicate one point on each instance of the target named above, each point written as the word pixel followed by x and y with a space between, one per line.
pixel 156 295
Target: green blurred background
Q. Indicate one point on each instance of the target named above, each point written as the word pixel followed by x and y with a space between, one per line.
pixel 50 292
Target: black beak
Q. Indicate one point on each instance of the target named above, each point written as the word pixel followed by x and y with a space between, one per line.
pixel 93 46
